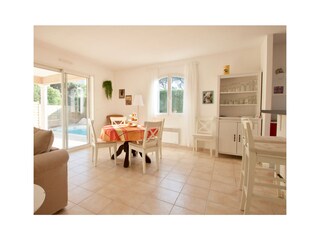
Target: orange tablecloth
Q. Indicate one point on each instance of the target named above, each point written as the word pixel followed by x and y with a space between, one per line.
pixel 123 133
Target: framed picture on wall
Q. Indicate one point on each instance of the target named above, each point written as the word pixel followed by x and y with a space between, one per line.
pixel 122 93
pixel 278 89
pixel 207 97
pixel 128 99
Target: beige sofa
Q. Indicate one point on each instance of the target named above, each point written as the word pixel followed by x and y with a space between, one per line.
pixel 50 172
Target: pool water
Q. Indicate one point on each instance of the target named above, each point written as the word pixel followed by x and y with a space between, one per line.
pixel 79 130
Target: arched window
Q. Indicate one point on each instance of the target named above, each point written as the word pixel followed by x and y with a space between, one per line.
pixel 171 90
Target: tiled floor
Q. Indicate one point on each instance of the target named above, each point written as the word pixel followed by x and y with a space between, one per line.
pixel 187 183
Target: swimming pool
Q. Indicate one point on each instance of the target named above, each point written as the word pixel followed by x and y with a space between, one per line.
pixel 77 129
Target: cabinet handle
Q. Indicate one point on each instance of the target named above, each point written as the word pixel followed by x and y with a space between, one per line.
pixel 234 137
pixel 239 138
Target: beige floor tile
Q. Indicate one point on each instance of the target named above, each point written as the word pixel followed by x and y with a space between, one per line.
pixel 93 185
pixel 80 169
pixel 227 200
pixel 150 179
pixel 177 177
pixel 165 195
pixel 78 194
pixel 142 188
pixel 131 199
pixel 198 182
pixel 192 203
pixel 155 206
pixel 224 179
pixel 172 185
pixel 195 191
pixel 176 210
pixel 77 210
pixel 225 188
pixel 80 179
pixel 111 191
pixel 214 208
pixel 117 208
pixel 95 203
pixel 139 212
pixel 201 175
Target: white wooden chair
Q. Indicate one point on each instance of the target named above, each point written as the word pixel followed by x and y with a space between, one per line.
pixel 204 132
pixel 254 153
pixel 160 133
pixel 150 143
pixel 97 143
pixel 118 120
pixel 256 139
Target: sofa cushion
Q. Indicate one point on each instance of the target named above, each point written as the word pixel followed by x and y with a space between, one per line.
pixel 43 140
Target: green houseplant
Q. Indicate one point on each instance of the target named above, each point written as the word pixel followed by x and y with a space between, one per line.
pixel 107 85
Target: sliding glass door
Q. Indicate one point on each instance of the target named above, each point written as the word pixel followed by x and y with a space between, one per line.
pixel 77 134
pixel 60 104
pixel 47 102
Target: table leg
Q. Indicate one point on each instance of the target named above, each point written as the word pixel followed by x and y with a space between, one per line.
pixel 119 151
pixel 126 159
pixel 125 147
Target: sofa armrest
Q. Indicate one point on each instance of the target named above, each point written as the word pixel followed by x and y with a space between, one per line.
pixel 50 160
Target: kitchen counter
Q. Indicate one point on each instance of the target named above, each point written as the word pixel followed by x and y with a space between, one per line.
pixel 280 112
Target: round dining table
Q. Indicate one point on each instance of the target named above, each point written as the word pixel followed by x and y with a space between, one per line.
pixel 123 133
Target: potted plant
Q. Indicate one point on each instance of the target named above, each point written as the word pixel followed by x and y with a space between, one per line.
pixel 107 85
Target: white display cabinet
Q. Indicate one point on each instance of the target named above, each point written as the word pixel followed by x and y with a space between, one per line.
pixel 238 96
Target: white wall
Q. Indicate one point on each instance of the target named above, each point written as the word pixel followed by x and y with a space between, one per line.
pixel 54 57
pixel 266 66
pixel 209 67
pixel 279 61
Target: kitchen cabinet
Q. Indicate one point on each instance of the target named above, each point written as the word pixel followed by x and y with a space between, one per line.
pixel 230 135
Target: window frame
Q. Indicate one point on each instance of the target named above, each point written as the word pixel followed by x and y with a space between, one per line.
pixel 169 93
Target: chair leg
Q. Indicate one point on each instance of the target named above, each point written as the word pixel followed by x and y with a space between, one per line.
pixel 95 156
pixel 143 162
pixel 92 153
pixel 110 151
pixel 157 159
pixel 129 156
pixel 251 173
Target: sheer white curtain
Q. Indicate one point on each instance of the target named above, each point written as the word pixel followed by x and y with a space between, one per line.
pixel 190 100
pixel 153 100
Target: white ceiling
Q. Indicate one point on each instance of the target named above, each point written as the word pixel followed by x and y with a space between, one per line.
pixel 120 47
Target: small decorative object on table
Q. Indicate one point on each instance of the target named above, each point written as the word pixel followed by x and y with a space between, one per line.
pixel 133 120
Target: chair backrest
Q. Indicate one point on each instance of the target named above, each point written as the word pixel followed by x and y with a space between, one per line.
pixel 118 120
pixel 247 134
pixel 152 129
pixel 93 138
pixel 204 126
pixel 108 121
pixel 162 126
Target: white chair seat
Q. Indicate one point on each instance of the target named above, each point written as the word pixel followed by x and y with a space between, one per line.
pixel 269 139
pixel 274 149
